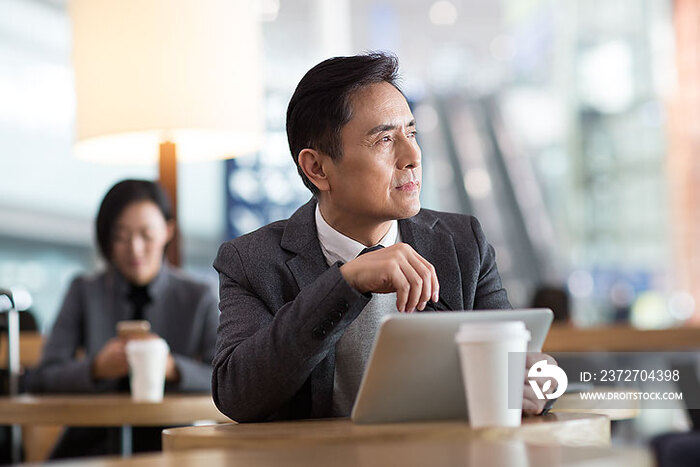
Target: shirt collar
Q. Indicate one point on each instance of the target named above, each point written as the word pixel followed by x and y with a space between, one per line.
pixel 338 247
pixel 155 288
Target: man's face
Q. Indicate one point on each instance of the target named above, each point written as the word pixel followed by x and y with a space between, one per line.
pixel 378 177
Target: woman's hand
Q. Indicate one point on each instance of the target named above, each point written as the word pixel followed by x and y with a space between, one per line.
pixel 110 362
pixel 172 374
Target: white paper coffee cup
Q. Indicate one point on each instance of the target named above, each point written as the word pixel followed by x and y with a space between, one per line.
pixel 147 364
pixel 483 351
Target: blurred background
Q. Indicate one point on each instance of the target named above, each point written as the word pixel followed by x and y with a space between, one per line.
pixel 570 128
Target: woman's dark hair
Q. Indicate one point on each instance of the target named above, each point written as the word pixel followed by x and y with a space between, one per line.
pixel 119 197
pixel 320 105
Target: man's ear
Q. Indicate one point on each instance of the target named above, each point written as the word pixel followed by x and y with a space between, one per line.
pixel 170 226
pixel 311 162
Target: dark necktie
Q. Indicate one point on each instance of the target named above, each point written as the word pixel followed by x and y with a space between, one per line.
pixel 371 249
pixel 139 298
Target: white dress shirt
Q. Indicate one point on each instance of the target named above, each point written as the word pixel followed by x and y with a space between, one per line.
pixel 338 247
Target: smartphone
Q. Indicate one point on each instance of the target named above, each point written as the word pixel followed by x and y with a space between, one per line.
pixel 133 328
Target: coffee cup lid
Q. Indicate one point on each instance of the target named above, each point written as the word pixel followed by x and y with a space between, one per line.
pixel 147 344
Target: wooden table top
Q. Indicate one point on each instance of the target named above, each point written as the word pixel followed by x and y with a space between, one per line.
pixel 30 344
pixel 435 453
pixel 565 338
pixel 107 410
pixel 613 409
pixel 561 429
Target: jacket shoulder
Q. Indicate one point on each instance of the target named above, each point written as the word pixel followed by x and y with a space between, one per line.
pixel 88 281
pixel 257 244
pixel 450 221
pixel 268 233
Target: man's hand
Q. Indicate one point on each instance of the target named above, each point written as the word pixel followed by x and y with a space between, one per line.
pixel 531 404
pixel 399 269
pixel 110 362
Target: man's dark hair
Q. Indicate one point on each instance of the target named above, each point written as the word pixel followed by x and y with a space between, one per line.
pixel 320 106
pixel 117 199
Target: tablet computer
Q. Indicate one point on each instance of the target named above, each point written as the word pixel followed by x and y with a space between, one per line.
pixel 414 371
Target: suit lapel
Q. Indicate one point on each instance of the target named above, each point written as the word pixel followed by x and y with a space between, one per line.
pixel 439 249
pixel 300 237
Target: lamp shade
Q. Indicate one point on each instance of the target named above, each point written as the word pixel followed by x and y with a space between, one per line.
pixel 185 71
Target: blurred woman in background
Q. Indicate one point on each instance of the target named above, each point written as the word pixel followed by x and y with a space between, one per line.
pixel 134 225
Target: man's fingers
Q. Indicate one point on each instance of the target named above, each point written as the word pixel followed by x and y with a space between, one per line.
pixel 415 283
pixel 435 284
pixel 402 287
pixel 531 404
pixel 530 408
pixel 426 276
pixel 542 382
pixel 399 269
pixel 428 269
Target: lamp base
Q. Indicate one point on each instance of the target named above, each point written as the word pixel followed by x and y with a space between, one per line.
pixel 167 177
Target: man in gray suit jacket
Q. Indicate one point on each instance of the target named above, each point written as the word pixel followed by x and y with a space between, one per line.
pixel 300 300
